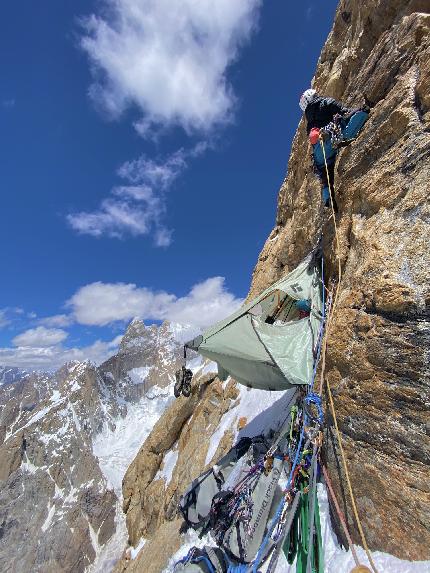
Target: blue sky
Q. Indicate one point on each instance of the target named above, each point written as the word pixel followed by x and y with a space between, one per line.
pixel 142 150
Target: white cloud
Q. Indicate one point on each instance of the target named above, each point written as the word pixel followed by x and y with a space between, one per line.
pixel 40 337
pixel 10 315
pixel 156 174
pixel 103 303
pixel 53 357
pixel 170 59
pixel 100 304
pixel 4 321
pixel 163 237
pixel 137 208
pixel 56 320
pixel 116 217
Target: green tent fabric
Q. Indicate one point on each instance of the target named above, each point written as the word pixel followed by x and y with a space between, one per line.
pixel 265 344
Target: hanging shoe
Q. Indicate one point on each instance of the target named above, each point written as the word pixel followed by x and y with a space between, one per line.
pixel 183 382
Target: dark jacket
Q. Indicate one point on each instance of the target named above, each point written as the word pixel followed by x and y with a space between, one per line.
pixel 321 110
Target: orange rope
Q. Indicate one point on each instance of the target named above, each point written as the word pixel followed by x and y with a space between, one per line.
pixel 340 514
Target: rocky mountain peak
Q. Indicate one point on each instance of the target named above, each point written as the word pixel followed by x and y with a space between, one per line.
pixel 50 477
pixel 136 334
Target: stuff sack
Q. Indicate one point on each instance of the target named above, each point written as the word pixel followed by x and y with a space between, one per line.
pixel 195 504
pixel 206 560
pixel 241 532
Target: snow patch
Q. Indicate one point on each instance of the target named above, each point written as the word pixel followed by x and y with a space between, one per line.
pixel 259 407
pixel 111 551
pixel 46 524
pixel 56 396
pixel 134 551
pixel 75 418
pixel 116 448
pixel 169 463
pixel 139 375
pixel 199 365
pixel 183 332
pixel 94 539
pixel 28 466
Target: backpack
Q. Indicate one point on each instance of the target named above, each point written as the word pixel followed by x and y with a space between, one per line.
pixel 196 502
pixel 239 520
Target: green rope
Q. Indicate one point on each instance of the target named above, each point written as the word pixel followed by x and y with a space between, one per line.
pixel 296 543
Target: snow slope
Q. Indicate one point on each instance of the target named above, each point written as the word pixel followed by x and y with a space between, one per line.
pixel 115 450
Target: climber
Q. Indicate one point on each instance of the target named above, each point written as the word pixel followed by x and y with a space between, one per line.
pixel 337 125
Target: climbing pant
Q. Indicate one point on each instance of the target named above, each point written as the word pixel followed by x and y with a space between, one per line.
pixel 354 125
pixel 350 130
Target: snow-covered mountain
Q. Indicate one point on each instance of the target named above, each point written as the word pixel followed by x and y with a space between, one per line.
pixel 9 375
pixel 66 440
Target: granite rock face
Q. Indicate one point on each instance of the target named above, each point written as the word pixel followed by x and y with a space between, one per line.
pixel 378 348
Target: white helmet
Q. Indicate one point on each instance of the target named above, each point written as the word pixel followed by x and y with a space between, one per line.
pixel 306 98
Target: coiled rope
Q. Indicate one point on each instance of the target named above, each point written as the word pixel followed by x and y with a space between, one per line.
pixel 332 408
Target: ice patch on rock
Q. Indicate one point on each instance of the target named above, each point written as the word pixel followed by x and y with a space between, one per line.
pixel 169 463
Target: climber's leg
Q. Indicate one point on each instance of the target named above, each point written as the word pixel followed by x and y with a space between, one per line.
pixel 326 196
pixel 321 170
pixel 355 124
pixel 330 154
pixel 325 191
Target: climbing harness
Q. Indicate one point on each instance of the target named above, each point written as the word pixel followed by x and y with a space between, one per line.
pixel 333 130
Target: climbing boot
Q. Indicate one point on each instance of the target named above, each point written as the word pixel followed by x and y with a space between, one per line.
pixel 183 378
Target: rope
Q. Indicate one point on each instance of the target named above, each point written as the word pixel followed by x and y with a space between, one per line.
pixel 339 267
pixel 312 494
pixel 340 515
pixel 348 481
pixel 324 351
pixel 321 330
